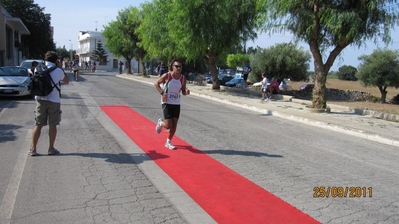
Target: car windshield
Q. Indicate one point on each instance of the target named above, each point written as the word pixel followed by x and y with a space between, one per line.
pixel 13 71
pixel 236 80
pixel 28 64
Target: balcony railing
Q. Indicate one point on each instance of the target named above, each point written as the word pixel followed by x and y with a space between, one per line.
pixel 84 50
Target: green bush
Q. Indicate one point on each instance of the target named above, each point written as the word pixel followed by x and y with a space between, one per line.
pixel 375 99
pixel 347 73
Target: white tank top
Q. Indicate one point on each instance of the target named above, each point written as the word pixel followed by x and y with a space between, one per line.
pixel 173 87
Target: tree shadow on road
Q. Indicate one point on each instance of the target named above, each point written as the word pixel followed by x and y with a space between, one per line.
pixel 229 152
pixel 7 132
pixel 120 158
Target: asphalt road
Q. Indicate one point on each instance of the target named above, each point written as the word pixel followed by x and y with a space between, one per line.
pixel 95 180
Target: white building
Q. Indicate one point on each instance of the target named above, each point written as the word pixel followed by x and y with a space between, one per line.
pixel 87 43
pixel 11 31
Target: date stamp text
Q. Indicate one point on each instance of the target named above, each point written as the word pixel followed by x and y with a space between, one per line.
pixel 342 192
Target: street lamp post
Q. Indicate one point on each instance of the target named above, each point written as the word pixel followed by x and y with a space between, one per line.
pixel 70 52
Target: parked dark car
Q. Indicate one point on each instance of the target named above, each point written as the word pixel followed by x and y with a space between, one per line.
pixel 191 76
pixel 208 79
pixel 306 86
pixel 237 81
pixel 223 78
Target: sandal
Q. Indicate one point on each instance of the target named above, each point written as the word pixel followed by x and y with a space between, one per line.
pixel 53 151
pixel 33 152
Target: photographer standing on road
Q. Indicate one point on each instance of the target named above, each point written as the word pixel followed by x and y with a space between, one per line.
pixel 48 108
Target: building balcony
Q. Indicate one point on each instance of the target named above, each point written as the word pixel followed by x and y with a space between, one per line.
pixel 84 50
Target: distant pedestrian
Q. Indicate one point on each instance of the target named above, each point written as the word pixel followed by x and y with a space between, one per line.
pixel 120 67
pixel 265 84
pixel 245 71
pixel 32 69
pixel 75 67
pixel 86 66
pixel 48 108
pixel 174 83
pixel 93 66
pixel 161 69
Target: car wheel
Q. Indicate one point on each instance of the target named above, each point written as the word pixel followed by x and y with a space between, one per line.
pixel 30 97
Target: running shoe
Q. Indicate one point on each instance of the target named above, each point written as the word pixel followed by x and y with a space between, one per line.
pixel 158 128
pixel 52 151
pixel 169 145
pixel 33 152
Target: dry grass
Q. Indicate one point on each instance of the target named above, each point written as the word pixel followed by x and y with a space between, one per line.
pixel 355 85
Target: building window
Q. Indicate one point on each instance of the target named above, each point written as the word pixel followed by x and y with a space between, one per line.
pixel 9 44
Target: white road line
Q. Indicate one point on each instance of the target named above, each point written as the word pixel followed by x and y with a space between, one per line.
pixel 5 107
pixel 7 205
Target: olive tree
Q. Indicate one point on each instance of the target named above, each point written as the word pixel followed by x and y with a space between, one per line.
pixel 328 27
pixel 347 72
pixel 281 61
pixel 380 69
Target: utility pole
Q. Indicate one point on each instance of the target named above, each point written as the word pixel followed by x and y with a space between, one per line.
pixel 70 52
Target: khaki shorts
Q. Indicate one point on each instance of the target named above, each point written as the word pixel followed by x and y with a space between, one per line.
pixel 47 111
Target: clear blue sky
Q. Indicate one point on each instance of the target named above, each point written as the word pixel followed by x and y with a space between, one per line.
pixel 70 17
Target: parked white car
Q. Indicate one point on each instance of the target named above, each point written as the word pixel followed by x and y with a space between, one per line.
pixel 284 85
pixel 14 81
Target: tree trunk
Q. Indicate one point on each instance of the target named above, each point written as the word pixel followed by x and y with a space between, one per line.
pixel 214 72
pixel 144 70
pixel 383 94
pixel 319 91
pixel 128 66
pixel 319 100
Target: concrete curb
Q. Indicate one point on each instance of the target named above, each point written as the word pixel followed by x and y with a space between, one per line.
pixel 325 125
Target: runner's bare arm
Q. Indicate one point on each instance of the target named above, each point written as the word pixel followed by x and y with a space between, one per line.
pixel 160 81
pixel 184 90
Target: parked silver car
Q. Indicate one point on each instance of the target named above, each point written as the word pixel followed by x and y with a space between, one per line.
pixel 14 81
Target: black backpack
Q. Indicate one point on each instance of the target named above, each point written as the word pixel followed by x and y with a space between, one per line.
pixel 41 83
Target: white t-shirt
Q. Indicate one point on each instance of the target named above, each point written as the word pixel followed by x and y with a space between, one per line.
pixel 265 83
pixel 57 75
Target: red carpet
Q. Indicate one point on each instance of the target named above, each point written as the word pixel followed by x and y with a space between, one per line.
pixel 224 194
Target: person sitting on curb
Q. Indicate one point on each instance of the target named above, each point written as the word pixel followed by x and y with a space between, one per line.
pixel 273 88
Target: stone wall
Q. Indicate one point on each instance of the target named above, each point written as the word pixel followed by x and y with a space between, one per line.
pixel 335 95
pixel 331 94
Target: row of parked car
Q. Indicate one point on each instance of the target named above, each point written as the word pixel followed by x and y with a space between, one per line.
pixel 227 79
pixel 231 80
